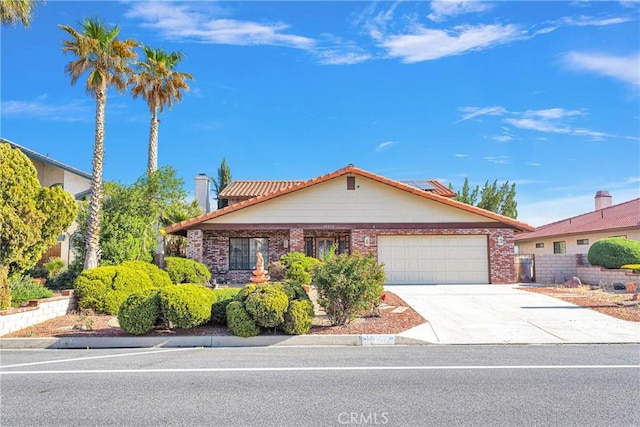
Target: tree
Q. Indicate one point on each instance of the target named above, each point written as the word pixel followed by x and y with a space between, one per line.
pixel 496 199
pixel 12 11
pixel 31 217
pixel 177 212
pixel 224 179
pixel 128 229
pixel 106 59
pixel 159 84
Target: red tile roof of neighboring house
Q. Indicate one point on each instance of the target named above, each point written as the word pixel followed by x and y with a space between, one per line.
pixel 623 216
pixel 349 170
pixel 246 189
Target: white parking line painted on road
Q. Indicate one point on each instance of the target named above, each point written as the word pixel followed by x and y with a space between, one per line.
pixel 317 368
pixel 109 356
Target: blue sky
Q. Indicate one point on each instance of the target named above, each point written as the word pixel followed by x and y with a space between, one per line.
pixel 545 94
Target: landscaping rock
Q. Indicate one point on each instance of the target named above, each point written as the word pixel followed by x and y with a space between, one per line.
pixel 574 282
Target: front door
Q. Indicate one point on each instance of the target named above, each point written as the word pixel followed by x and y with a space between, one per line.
pixel 323 245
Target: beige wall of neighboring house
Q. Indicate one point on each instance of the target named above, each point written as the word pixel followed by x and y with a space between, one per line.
pixel 571 242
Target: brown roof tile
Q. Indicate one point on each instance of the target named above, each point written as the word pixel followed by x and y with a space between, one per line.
pixel 181 226
pixel 253 188
pixel 618 217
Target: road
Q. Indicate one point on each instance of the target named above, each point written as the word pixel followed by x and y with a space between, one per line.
pixel 549 385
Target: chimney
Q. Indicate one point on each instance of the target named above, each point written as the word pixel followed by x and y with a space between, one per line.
pixel 603 199
pixel 202 191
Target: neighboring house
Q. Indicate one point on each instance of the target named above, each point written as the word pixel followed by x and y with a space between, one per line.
pixel 74 181
pixel 576 235
pixel 415 228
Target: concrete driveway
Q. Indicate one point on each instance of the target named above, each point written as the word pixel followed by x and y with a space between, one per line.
pixel 503 314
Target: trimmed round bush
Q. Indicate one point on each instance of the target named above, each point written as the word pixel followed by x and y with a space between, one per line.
pixel 140 312
pixel 240 322
pixel 158 276
pixel 614 252
pixel 245 291
pixel 297 320
pixel 219 308
pixel 267 305
pixel 184 270
pixel 188 305
pixel 104 289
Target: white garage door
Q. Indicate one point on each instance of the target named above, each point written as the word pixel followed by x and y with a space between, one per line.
pixel 434 259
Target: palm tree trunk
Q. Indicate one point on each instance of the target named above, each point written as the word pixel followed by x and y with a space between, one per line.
pixel 152 165
pixel 92 255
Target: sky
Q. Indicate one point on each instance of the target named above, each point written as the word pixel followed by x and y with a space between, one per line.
pixel 545 94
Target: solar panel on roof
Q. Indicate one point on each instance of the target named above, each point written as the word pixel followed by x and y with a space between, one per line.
pixel 421 184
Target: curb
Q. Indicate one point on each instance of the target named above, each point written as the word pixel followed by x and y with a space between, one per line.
pixel 206 341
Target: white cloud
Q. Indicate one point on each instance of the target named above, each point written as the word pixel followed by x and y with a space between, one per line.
pixel 385 145
pixel 180 21
pixel 502 138
pixel 440 10
pixel 73 111
pixel 624 68
pixel 425 44
pixel 461 155
pixel 472 112
pixel 498 160
pixel 536 164
pixel 589 21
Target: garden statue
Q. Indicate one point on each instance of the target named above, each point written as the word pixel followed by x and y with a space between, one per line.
pixel 259 275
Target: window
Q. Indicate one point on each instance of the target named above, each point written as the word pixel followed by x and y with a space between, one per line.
pixel 351 183
pixel 583 241
pixel 243 252
pixel 539 245
pixel 559 247
pixel 308 246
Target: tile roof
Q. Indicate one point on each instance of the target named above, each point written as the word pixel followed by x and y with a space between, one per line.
pixel 253 188
pixel 617 217
pixel 46 159
pixel 349 170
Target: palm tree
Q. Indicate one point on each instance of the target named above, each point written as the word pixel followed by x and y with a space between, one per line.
pixel 158 83
pixel 12 11
pixel 106 59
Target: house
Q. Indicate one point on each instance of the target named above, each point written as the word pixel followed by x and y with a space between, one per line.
pixel 575 235
pixel 50 173
pixel 415 228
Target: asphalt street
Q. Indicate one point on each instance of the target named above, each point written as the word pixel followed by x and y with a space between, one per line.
pixel 544 385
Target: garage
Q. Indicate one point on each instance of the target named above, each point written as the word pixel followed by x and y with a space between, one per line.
pixel 434 259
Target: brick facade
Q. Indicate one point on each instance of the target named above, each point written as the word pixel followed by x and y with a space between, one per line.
pixel 212 247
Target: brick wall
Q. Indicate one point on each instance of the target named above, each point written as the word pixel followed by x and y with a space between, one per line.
pixel 195 244
pixel 555 268
pixel 591 275
pixel 38 311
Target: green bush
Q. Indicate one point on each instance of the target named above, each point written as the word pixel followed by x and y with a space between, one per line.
pixel 348 284
pixel 244 292
pixel 276 271
pixel 219 308
pixel 186 306
pixel 66 279
pixel 158 276
pixel 54 266
pixel 140 312
pixel 614 252
pixel 634 267
pixel 23 289
pixel 299 267
pixel 297 320
pixel 184 270
pixel 267 305
pixel 240 322
pixel 104 289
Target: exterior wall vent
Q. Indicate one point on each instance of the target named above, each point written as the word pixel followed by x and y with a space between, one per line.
pixel 351 183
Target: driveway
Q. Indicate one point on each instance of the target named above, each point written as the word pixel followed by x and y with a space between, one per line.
pixel 503 314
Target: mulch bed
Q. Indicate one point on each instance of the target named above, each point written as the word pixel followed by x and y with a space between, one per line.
pixel 92 325
pixel 621 306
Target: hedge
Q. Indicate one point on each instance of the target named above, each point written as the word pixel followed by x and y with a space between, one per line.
pixel 104 289
pixel 614 252
pixel 240 322
pixel 219 308
pixel 184 270
pixel 158 276
pixel 297 320
pixel 267 305
pixel 140 312
pixel 188 305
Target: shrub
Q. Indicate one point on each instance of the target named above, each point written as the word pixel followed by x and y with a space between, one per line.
pixel 37 272
pixel 184 270
pixel 23 289
pixel 297 320
pixel 158 276
pixel 54 266
pixel 267 305
pixel 186 306
pixel 614 252
pixel 66 279
pixel 104 289
pixel 140 312
pixel 299 267
pixel 634 267
pixel 348 284
pixel 276 271
pixel 245 291
pixel 240 322
pixel 219 308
